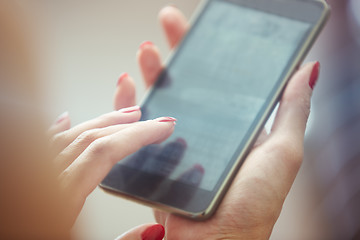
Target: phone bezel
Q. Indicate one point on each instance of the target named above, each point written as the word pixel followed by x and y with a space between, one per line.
pixel 221 188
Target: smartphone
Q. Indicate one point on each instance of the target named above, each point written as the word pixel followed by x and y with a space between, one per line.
pixel 221 83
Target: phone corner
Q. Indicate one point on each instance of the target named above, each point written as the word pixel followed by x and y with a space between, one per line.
pixel 203 215
pixel 325 5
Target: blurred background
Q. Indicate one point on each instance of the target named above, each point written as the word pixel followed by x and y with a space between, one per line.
pixel 85 45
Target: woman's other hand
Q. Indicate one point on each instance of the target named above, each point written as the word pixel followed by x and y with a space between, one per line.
pixel 254 201
pixel 87 152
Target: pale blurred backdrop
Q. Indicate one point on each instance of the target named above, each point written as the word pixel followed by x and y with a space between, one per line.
pixel 85 45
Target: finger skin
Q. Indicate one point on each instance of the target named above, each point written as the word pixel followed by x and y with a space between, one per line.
pixel 150 64
pixel 62 140
pixel 284 147
pixel 174 24
pixel 294 106
pixel 125 94
pixel 71 152
pixel 91 167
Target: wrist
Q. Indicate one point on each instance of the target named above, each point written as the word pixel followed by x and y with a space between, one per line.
pixel 256 233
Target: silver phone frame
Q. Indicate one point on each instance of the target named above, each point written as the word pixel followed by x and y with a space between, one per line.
pixel 203 215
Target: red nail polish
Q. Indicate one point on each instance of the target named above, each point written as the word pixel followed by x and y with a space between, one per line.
pixel 62 117
pixel 314 75
pixel 130 109
pixel 155 232
pixel 167 119
pixel 121 78
pixel 145 44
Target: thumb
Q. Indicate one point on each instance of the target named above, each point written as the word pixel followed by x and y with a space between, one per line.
pixel 144 232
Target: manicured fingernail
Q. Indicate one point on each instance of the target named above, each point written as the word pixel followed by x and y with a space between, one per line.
pixel 145 44
pixel 121 78
pixel 167 119
pixel 155 232
pixel 130 109
pixel 314 75
pixel 62 117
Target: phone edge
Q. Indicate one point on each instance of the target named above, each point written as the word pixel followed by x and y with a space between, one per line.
pixel 208 212
pixel 242 156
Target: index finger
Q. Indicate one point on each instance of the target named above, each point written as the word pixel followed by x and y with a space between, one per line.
pixel 174 24
pixel 91 167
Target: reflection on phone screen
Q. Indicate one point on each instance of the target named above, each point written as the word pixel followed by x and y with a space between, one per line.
pixel 216 86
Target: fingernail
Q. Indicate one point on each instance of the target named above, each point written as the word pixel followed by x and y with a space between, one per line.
pixel 130 109
pixel 145 44
pixel 314 75
pixel 121 78
pixel 62 117
pixel 167 119
pixel 155 232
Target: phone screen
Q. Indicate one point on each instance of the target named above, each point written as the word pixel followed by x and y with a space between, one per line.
pixel 217 85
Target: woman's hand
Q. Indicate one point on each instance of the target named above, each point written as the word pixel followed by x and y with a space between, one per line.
pixel 255 198
pixel 87 152
pixel 253 202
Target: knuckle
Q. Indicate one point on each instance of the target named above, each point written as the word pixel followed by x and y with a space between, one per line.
pixel 87 137
pixel 289 152
pixel 100 147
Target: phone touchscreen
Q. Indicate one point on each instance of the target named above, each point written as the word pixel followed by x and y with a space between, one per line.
pixel 217 85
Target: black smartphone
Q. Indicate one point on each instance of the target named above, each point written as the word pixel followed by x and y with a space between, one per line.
pixel 221 83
